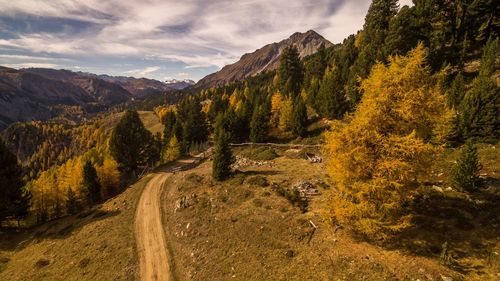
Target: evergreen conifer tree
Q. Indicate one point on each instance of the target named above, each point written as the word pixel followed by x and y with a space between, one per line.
pixel 259 125
pixel 465 172
pixel 14 199
pixel 480 106
pixel 91 183
pixel 331 100
pixel 299 117
pixel 223 156
pixel 71 202
pixel 457 91
pixel 130 142
pixel 291 71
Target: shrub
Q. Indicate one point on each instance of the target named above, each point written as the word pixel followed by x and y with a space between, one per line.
pixel 258 180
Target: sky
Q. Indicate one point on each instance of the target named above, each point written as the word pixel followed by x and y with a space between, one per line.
pixel 161 39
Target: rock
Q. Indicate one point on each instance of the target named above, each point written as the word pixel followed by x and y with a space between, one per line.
pixel 185 202
pixel 242 162
pixel 289 253
pixel 305 188
pixel 437 188
pixel 446 278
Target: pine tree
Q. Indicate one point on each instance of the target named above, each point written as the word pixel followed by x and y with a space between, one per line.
pixel 130 141
pixel 71 202
pixel 223 156
pixel 331 100
pixel 258 125
pixel 194 126
pixel 299 117
pixel 457 91
pixel 480 106
pixel 169 122
pixel 91 183
pixel 14 199
pixel 291 71
pixel 465 172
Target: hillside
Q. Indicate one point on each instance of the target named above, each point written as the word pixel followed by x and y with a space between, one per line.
pixel 43 94
pixel 264 59
pixel 246 228
pixel 40 145
pixel 81 247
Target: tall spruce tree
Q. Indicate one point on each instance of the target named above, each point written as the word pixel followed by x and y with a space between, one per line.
pixel 457 91
pixel 465 172
pixel 130 143
pixel 71 202
pixel 299 117
pixel 169 123
pixel 291 71
pixel 91 183
pixel 195 126
pixel 223 156
pixel 480 106
pixel 259 125
pixel 14 199
pixel 331 100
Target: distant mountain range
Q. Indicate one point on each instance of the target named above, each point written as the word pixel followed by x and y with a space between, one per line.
pixel 41 93
pixel 264 59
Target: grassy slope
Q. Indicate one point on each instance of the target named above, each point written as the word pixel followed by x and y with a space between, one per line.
pixel 99 246
pixel 95 245
pixel 236 231
pixel 149 119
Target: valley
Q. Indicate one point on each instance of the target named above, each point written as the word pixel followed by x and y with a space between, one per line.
pixel 350 141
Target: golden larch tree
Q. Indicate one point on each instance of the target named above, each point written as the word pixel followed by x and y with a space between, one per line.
pixel 377 156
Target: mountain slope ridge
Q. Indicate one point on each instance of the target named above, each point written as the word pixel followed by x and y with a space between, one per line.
pixel 265 59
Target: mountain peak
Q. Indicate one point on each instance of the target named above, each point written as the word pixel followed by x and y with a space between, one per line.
pixel 265 58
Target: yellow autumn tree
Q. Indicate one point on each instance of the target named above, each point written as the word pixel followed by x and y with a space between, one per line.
pixel 172 151
pixel 109 177
pixel 285 117
pixel 377 157
pixel 275 109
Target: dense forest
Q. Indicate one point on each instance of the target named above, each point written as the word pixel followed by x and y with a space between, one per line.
pixel 413 80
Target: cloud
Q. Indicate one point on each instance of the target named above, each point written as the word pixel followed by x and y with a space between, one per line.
pixel 182 74
pixel 198 34
pixel 143 72
pixel 30 65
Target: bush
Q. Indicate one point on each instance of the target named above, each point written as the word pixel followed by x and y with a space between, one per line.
pixel 194 178
pixel 258 180
pixel 293 197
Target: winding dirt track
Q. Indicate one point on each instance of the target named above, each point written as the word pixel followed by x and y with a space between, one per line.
pixel 149 235
pixel 151 244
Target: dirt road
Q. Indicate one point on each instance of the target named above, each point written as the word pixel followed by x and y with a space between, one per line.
pixel 151 245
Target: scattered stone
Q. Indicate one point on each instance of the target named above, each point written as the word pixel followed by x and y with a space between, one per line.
pixel 242 162
pixel 313 158
pixel 185 202
pixel 306 189
pixel 446 278
pixel 437 188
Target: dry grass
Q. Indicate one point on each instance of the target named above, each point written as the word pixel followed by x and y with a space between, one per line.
pixel 97 244
pixel 238 231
